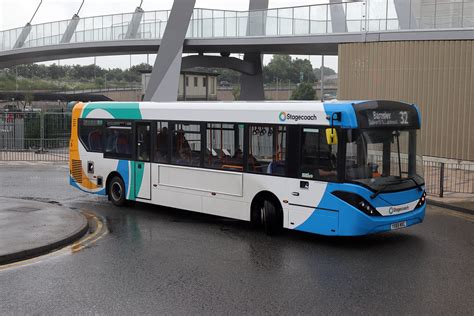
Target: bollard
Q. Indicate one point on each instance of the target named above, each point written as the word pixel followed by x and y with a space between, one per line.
pixel 441 180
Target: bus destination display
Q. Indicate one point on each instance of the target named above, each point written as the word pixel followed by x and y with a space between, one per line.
pixel 378 118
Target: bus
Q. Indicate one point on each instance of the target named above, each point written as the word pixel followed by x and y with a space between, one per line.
pixel 341 168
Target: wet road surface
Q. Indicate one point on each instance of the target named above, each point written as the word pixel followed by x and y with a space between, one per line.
pixel 165 261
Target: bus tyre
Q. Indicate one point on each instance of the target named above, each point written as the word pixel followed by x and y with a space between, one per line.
pixel 117 191
pixel 272 218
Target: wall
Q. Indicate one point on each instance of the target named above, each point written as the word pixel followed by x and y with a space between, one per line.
pixel 436 75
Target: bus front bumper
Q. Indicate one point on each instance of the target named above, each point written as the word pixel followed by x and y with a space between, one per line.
pixel 356 223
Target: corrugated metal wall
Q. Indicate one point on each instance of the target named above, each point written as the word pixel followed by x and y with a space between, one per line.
pixel 436 75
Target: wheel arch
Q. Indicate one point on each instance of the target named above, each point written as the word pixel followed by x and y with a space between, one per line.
pixel 109 179
pixel 259 199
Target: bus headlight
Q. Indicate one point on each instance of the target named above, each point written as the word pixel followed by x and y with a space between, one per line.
pixel 358 202
pixel 422 200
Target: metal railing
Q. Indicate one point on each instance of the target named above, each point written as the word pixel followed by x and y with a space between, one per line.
pixel 362 16
pixel 37 136
pixel 34 136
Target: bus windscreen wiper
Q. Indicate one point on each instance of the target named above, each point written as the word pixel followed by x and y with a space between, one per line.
pixel 416 183
pixel 373 196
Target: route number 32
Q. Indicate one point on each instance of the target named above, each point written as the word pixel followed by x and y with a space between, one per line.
pixel 403 117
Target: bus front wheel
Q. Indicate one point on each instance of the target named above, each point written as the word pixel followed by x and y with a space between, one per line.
pixel 271 217
pixel 117 191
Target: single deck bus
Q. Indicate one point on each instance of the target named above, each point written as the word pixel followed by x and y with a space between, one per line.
pixel 332 168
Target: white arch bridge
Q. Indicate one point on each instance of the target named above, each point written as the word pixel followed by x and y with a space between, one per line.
pixel 312 29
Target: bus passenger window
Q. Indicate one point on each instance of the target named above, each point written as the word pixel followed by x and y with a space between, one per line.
pixel 224 146
pixel 91 134
pixel 162 142
pixel 186 144
pixel 267 149
pixel 318 159
pixel 119 135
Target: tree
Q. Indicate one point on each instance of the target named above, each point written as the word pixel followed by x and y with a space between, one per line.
pixel 304 91
pixel 327 72
pixel 287 69
pixel 236 92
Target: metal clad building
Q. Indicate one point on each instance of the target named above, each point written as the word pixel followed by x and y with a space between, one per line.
pixel 436 75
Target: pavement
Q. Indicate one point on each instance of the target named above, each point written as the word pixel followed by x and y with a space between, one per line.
pixel 157 260
pixel 461 202
pixel 31 228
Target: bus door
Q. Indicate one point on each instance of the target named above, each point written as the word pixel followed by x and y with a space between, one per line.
pixel 142 169
pixel 317 167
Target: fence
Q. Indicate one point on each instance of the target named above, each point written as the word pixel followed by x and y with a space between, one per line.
pixel 443 177
pixel 34 136
pixel 38 136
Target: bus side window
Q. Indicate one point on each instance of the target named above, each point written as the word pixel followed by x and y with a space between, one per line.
pixel 162 142
pixel 224 143
pixel 318 159
pixel 90 133
pixel 186 144
pixel 119 136
pixel 267 149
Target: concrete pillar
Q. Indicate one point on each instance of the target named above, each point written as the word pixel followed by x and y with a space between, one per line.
pixel 20 41
pixel 134 25
pixel 251 86
pixel 71 28
pixel 338 17
pixel 406 18
pixel 164 80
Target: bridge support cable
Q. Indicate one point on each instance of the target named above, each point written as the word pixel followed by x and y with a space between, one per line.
pixel 406 18
pixel 20 41
pixel 251 86
pixel 71 27
pixel 164 81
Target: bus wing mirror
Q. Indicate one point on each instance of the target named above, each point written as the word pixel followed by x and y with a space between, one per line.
pixel 331 136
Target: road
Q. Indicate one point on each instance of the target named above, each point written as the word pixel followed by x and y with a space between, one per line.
pixel 157 260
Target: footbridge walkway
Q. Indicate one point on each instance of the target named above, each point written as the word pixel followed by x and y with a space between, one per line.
pixel 313 29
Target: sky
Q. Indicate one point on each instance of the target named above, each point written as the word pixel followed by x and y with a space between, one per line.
pixel 16 13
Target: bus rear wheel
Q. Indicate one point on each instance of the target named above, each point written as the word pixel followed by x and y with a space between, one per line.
pixel 271 217
pixel 117 191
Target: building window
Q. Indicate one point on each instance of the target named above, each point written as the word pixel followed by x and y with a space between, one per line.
pixel 224 146
pixel 186 144
pixel 267 149
pixel 212 83
pixel 204 81
pixel 187 80
pixel 195 81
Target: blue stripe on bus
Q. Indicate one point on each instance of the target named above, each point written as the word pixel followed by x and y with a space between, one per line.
pixel 74 184
pixel 335 217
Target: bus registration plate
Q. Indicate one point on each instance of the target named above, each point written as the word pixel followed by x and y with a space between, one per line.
pixel 398 225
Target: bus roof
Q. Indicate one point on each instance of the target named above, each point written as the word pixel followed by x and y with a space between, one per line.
pixel 353 114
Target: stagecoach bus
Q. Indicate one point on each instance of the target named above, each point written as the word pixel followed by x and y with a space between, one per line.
pixel 333 168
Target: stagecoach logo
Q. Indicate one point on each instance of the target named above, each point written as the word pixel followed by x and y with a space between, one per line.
pixel 395 209
pixel 283 116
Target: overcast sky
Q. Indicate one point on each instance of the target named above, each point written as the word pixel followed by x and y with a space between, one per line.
pixel 16 13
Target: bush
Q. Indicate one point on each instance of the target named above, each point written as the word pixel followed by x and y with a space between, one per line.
pixel 304 91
